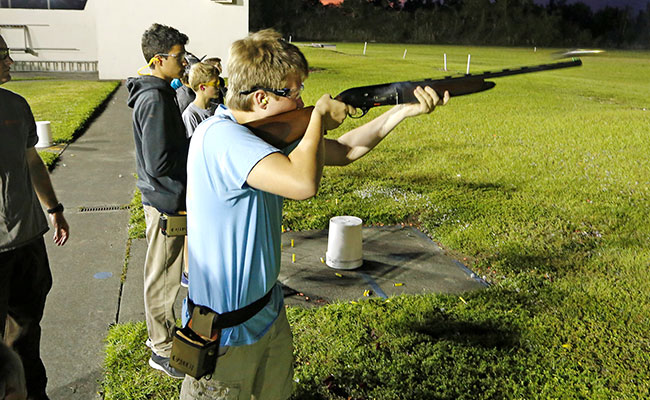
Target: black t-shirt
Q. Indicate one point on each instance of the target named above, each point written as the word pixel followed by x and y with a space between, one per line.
pixel 21 216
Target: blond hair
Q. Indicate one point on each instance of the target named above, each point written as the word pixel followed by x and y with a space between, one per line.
pixel 263 60
pixel 200 74
pixel 216 61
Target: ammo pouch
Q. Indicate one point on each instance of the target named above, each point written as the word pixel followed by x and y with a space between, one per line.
pixel 173 224
pixel 195 347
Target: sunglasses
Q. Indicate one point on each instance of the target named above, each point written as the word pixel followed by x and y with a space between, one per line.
pixel 4 54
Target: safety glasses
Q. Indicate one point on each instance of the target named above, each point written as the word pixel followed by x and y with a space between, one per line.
pixel 284 92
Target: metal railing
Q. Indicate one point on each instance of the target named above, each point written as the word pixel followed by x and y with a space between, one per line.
pixel 54 66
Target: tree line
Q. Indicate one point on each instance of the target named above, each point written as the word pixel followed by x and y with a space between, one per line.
pixel 477 22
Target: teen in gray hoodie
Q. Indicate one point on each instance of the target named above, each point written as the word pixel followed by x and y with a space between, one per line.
pixel 161 158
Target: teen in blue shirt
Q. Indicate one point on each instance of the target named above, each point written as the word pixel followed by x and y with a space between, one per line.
pixel 236 185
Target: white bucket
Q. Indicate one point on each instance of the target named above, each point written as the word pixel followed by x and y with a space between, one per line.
pixel 44 132
pixel 344 243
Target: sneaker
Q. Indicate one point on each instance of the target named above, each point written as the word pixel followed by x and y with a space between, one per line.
pixel 162 364
pixel 184 280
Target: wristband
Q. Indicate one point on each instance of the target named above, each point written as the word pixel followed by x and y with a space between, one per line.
pixel 57 208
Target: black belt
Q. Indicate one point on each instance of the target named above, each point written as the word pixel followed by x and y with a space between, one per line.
pixel 227 319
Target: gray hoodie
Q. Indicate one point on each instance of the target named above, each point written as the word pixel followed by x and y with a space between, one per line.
pixel 160 143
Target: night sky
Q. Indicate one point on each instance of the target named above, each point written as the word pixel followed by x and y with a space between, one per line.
pixel 636 5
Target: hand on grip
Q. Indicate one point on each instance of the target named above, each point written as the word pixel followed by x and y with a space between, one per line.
pixel 332 111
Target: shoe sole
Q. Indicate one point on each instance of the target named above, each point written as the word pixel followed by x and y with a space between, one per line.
pixel 154 365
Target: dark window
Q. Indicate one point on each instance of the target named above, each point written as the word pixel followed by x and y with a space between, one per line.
pixel 68 4
pixel 28 3
pixel 45 4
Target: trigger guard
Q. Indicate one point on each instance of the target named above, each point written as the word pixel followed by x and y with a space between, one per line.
pixel 364 111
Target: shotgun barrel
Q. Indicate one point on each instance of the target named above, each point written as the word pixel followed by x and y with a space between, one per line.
pixel 366 97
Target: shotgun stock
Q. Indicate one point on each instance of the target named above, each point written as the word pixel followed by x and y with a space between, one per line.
pixel 282 129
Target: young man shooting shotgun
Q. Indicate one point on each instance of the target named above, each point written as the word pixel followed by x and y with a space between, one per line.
pixel 236 185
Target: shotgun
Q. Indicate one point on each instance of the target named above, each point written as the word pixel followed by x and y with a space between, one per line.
pixel 282 129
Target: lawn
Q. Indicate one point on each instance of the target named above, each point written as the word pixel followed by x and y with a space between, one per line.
pixel 68 105
pixel 542 183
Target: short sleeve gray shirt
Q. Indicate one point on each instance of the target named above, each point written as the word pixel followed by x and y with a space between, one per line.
pixel 193 116
pixel 184 97
pixel 21 216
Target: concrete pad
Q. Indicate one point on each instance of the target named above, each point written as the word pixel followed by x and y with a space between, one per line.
pixel 132 301
pixel 397 260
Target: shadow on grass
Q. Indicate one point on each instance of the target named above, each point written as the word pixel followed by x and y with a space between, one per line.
pixel 437 353
pixel 431 181
pixel 485 335
pixel 409 348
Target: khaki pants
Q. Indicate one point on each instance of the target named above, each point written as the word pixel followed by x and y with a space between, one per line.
pixel 162 281
pixel 260 371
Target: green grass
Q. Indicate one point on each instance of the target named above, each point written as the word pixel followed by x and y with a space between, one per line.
pixel 137 226
pixel 68 105
pixel 543 183
pixel 134 380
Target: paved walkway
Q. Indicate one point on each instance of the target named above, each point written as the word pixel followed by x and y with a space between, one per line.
pixel 95 171
pixel 95 177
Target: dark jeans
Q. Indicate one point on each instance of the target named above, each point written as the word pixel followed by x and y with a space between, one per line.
pixel 25 280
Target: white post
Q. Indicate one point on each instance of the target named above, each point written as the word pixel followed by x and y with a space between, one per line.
pixel 469 57
pixel 445 61
pixel 404 56
pixel 365 44
pixel 535 50
pixel 289 38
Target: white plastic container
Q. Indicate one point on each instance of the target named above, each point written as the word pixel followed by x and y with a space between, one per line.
pixel 344 243
pixel 44 132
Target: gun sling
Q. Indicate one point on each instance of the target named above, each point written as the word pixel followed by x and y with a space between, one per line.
pixel 195 347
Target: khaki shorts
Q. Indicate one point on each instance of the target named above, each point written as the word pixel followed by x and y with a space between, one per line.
pixel 262 370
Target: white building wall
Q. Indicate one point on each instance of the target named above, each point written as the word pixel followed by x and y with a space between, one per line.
pixel 210 26
pixel 71 32
pixel 109 31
